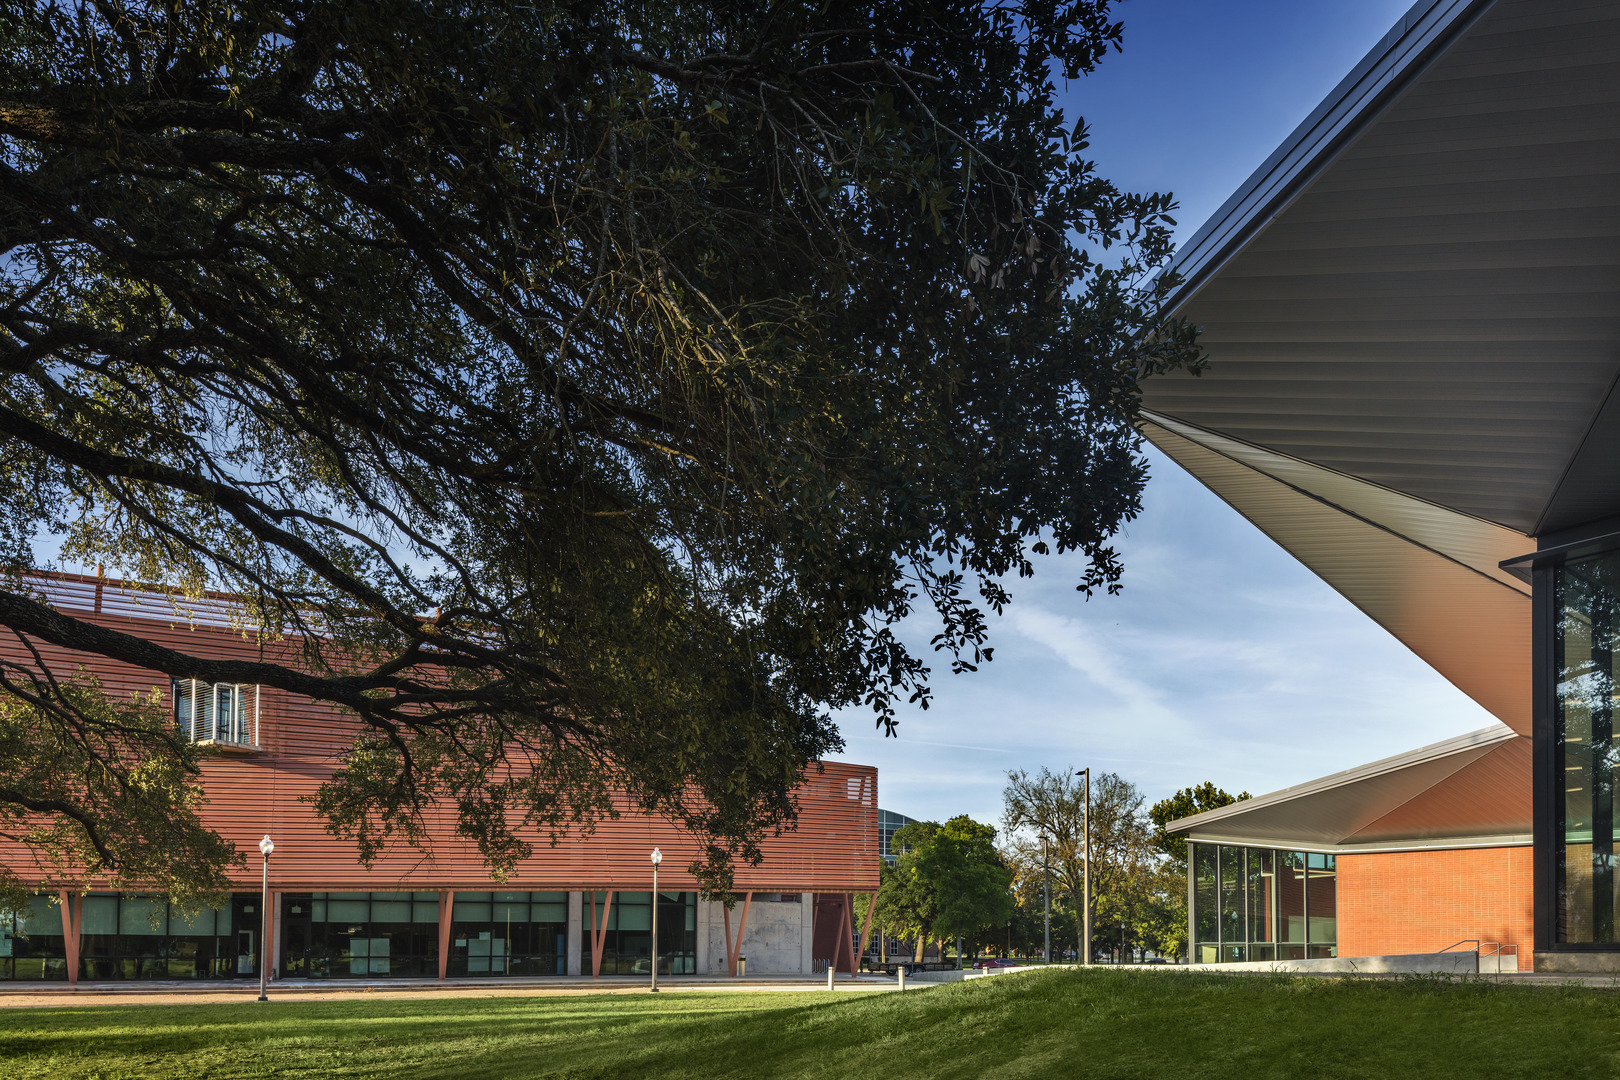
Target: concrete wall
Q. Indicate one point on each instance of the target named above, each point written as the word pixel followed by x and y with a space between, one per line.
pixel 1450 963
pixel 1407 902
pixel 773 940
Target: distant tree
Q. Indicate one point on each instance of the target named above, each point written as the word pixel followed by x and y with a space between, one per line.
pixel 587 389
pixel 1164 922
pixel 1052 805
pixel 1185 803
pixel 948 880
pixel 970 880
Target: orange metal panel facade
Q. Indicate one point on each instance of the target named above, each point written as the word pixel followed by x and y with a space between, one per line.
pixel 1423 901
pixel 252 794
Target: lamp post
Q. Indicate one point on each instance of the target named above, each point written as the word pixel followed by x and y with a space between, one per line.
pixel 1046 906
pixel 657 857
pixel 1086 945
pixel 266 846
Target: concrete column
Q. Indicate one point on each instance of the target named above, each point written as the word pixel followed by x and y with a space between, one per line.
pixel 807 933
pixel 576 931
pixel 702 916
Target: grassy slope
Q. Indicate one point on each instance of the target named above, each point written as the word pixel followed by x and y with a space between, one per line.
pixel 1068 1024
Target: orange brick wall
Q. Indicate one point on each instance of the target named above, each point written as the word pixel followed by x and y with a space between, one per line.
pixel 1422 901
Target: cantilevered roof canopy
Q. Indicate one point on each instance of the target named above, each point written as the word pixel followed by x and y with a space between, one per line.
pixel 1473 790
pixel 1412 312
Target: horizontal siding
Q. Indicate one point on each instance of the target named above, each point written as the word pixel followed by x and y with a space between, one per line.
pixel 833 848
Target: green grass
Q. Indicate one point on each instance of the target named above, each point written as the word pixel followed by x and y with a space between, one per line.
pixel 1057 1023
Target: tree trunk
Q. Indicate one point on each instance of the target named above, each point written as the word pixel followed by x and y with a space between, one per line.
pixel 922 945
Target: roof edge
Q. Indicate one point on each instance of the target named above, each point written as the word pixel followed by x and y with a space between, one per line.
pixel 1446 843
pixel 1421 35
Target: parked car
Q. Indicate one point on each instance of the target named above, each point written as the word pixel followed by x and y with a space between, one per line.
pixel 995 962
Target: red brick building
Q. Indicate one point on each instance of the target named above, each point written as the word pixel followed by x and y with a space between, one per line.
pixel 583 906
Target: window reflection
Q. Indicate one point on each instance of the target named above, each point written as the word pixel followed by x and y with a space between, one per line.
pixel 1587 595
pixel 1261 904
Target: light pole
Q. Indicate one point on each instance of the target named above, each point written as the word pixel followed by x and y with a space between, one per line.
pixel 657 857
pixel 1086 945
pixel 1046 870
pixel 266 846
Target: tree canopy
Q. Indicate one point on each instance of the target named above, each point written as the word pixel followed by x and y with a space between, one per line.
pixel 1185 803
pixel 948 881
pixel 585 390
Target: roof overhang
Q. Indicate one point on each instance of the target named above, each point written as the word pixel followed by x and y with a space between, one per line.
pixel 1412 313
pixel 1471 791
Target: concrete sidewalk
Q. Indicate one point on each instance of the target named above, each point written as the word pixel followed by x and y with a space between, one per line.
pixel 35 994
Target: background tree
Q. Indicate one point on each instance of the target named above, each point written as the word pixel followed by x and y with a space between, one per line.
pixel 906 904
pixel 1043 826
pixel 1185 803
pixel 970 881
pixel 1122 859
pixel 1052 805
pixel 575 394
pixel 1165 924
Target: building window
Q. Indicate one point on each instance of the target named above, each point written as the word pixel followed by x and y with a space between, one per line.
pixel 126 936
pixel 509 933
pixel 1256 904
pixel 1587 599
pixel 627 948
pixel 351 935
pixel 216 712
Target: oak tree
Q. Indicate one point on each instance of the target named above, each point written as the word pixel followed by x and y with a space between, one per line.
pixel 577 395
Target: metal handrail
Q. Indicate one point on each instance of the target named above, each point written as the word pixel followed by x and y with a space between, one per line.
pixel 1498 947
pixel 1465 941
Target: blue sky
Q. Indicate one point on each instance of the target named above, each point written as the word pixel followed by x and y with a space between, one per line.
pixel 1223 659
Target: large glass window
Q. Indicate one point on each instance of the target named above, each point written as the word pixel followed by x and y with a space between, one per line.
pixel 627 948
pixel 31 943
pixel 1587 600
pixel 350 935
pixel 509 933
pixel 1322 903
pixel 131 937
pixel 1260 904
pixel 1206 917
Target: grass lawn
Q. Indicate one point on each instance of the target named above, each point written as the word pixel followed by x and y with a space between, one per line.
pixel 1056 1023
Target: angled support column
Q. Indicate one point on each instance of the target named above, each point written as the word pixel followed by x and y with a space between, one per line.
pixel 599 932
pixel 866 925
pixel 447 910
pixel 846 930
pixel 72 924
pixel 735 947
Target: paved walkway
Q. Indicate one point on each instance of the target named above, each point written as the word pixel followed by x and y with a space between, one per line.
pixel 32 995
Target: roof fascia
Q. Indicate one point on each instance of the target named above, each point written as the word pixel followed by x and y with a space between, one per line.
pixel 1412 44
pixel 1448 843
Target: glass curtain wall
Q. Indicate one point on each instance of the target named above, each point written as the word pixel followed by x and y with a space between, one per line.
pixel 1257 904
pixel 509 933
pixel 31 943
pixel 628 946
pixel 354 935
pixel 132 937
pixel 1587 600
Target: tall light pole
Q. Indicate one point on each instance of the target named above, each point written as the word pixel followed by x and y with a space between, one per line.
pixel 266 846
pixel 657 857
pixel 1046 869
pixel 1086 945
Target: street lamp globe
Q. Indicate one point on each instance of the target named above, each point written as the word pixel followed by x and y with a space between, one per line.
pixel 656 857
pixel 266 846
